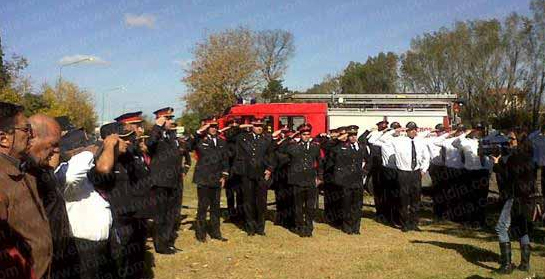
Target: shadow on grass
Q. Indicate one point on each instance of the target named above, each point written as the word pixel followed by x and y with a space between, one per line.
pixel 466 233
pixel 478 277
pixel 472 254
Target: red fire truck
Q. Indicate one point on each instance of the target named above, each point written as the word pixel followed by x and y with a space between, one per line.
pixel 325 111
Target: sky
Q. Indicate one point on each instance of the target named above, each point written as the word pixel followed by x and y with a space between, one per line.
pixel 140 47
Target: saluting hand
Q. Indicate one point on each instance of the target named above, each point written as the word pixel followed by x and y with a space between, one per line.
pixel 161 121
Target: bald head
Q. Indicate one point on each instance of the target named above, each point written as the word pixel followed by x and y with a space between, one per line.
pixel 44 126
pixel 45 144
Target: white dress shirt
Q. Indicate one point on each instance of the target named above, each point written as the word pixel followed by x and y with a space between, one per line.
pixel 387 149
pixel 436 158
pixel 538 143
pixel 453 157
pixel 374 136
pixel 403 153
pixel 470 148
pixel 88 212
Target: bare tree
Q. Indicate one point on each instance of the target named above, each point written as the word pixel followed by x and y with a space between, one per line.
pixel 274 48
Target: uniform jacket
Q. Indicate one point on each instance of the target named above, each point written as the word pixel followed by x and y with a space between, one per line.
pixel 253 156
pixel 304 165
pixel 213 162
pixel 166 160
pixel 348 165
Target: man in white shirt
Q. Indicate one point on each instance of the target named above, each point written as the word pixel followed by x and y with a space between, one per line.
pixel 477 166
pixel 388 175
pixel 437 169
pixel 89 215
pixel 538 143
pixel 412 161
pixel 376 163
pixel 455 175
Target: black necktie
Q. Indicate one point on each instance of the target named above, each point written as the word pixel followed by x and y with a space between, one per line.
pixel 413 155
pixel 354 147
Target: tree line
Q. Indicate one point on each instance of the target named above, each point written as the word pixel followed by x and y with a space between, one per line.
pixel 495 66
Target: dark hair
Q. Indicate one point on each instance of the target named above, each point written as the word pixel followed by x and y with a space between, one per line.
pixel 8 112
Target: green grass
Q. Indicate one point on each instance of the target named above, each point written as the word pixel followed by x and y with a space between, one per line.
pixel 442 250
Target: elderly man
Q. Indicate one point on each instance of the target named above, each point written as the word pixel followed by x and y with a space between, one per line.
pixel 44 158
pixel 22 215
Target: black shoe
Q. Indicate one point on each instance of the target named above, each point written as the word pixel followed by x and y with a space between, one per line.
pixel 261 233
pixel 250 233
pixel 506 267
pixel 220 238
pixel 167 251
pixel 405 229
pixel 201 239
pixel 176 248
pixel 524 257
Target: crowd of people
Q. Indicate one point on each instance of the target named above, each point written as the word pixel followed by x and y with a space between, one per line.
pixel 71 207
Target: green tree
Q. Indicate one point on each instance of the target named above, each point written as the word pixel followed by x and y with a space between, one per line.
pixel 377 75
pixel 274 92
pixel 224 68
pixel 68 99
pixel 4 77
pixel 274 49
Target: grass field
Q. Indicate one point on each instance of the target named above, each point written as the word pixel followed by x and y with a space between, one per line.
pixel 442 250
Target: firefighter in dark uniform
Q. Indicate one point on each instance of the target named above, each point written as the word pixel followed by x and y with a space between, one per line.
pixel 305 173
pixel 233 192
pixel 351 164
pixel 210 175
pixel 165 173
pixel 116 176
pixel 333 193
pixel 253 163
pixel 283 192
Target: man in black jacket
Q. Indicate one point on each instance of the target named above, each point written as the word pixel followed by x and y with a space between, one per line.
pixel 351 163
pixel 210 175
pixel 165 173
pixel 115 176
pixel 305 173
pixel 253 163
pixel 44 158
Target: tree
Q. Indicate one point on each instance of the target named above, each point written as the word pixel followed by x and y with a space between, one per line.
pixel 274 92
pixel 224 67
pixel 68 99
pixel 274 49
pixel 4 77
pixel 377 75
pixel 330 84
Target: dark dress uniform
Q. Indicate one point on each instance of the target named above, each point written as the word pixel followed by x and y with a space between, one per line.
pixel 233 192
pixel 333 193
pixel 283 192
pixel 351 163
pixel 253 157
pixel 128 237
pixel 305 165
pixel 212 165
pixel 165 174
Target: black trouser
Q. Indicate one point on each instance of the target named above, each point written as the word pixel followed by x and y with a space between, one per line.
pixel 178 195
pixel 378 190
pixel 439 185
pixel 94 259
pixel 410 185
pixel 128 245
pixel 334 200
pixel 284 204
pixel 478 196
pixel 352 201
pixel 391 195
pixel 167 211
pixel 233 195
pixel 305 205
pixel 254 197
pixel 455 193
pixel 209 197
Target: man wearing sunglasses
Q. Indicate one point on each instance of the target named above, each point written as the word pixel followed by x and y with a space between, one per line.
pixel 25 236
